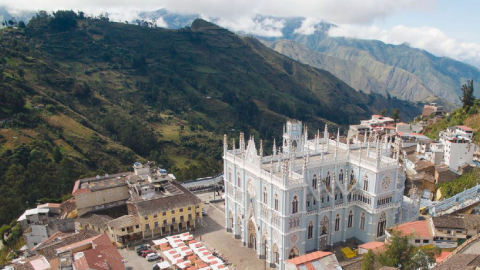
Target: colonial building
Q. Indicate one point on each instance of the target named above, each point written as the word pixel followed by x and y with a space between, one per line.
pixel 311 194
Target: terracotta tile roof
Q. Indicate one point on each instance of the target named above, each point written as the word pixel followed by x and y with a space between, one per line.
pixel 80 243
pixel 103 256
pixel 419 228
pixel 465 128
pixel 36 262
pixel 472 222
pixel 68 205
pixel 124 221
pixel 448 221
pixel 59 239
pixel 155 206
pixel 459 261
pixel 374 245
pixel 99 221
pixel 309 257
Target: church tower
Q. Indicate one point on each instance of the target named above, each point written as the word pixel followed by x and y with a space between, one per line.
pixel 292 136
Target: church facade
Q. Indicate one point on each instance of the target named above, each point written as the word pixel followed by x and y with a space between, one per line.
pixel 310 194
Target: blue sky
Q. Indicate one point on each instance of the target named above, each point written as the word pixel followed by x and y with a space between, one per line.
pixel 458 19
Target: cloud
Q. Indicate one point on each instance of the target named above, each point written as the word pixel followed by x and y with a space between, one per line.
pixel 267 27
pixel 428 38
pixel 338 11
pixel 307 27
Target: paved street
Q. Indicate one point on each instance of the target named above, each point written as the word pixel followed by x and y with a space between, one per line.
pixel 214 236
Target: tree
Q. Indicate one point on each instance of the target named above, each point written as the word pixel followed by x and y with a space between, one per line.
pixel 21 24
pixel 368 261
pixel 383 112
pixel 399 252
pixel 396 115
pixel 467 97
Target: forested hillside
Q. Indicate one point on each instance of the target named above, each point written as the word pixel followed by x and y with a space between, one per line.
pixel 85 96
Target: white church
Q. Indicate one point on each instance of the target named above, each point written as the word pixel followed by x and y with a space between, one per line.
pixel 311 194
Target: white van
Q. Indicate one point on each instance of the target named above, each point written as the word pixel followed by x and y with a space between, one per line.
pixel 152 256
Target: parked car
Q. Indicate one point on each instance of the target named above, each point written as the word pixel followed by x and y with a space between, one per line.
pixel 142 246
pixel 146 252
pixel 142 250
pixel 152 256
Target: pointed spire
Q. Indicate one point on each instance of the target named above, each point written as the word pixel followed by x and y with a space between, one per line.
pixel 261 148
pixel 338 135
pixel 225 143
pixel 274 154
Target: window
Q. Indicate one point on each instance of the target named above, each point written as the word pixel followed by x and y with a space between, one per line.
pixel 155 216
pixel 147 227
pixel 173 220
pixel 276 202
pixel 164 222
pixel 327 179
pixel 189 216
pixel 340 176
pixel 417 240
pixel 314 181
pixel 365 183
pixel 426 241
pixel 181 210
pixel 146 218
pixel 382 225
pixel 337 223
pixel 448 231
pixel 123 229
pixel 350 219
pixel 239 181
pixel 310 231
pixel 295 205
pixel 352 177
pixel 264 195
pixel 459 231
pixel 155 224
pixel 137 226
pixel 164 214
pixel 229 175
pixel 173 211
pixel 308 203
pixel 362 221
pixel 314 202
pixel 189 208
pixel 181 219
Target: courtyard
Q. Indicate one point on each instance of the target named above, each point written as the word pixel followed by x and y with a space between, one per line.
pixel 213 236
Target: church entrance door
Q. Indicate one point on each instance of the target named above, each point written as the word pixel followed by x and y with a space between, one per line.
pixel 252 236
pixel 323 242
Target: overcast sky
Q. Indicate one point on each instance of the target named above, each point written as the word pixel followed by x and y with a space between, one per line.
pixel 444 27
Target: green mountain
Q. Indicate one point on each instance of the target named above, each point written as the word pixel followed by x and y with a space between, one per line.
pixel 373 66
pixel 87 96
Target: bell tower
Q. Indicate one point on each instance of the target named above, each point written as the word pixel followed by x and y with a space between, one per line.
pixel 292 136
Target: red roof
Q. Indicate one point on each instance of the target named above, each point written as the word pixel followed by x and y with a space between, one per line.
pixel 104 256
pixel 372 245
pixel 309 257
pixel 419 228
pixel 442 256
pixel 465 128
pixel 76 190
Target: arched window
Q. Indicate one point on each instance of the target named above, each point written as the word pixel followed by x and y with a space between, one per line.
pixel 294 145
pixel 337 222
pixel 352 177
pixel 276 255
pixel 362 221
pixel 239 181
pixel 310 230
pixel 382 223
pixel 365 183
pixel 314 181
pixel 293 253
pixel 340 176
pixel 350 219
pixel 264 195
pixel 276 202
pixel 295 205
pixel 327 179
pixel 229 175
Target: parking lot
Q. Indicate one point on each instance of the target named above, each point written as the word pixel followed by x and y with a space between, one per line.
pixel 214 237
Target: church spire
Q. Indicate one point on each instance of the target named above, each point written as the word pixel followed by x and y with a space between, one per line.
pixel 261 148
pixel 325 138
pixel 274 153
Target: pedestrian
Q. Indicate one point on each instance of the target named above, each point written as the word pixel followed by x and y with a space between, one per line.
pixel 200 238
